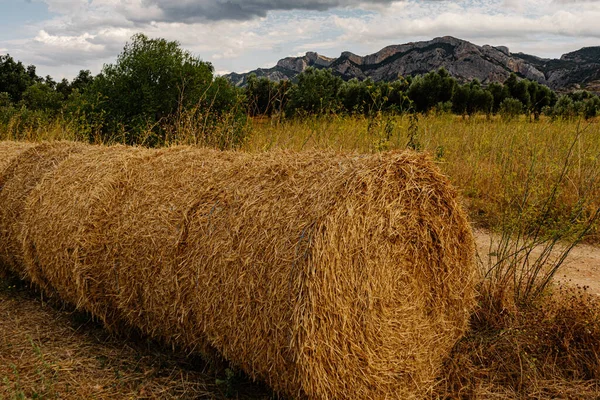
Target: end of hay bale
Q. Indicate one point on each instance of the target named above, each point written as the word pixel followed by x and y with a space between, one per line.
pixel 389 286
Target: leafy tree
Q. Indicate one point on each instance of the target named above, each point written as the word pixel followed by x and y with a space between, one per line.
pixel 511 108
pixel 430 89
pixel 151 81
pixel 82 81
pixel 316 92
pixel 518 89
pixel 472 98
pixel 264 97
pixel 43 97
pixel 355 96
pixel 565 107
pixel 499 92
pixel 540 96
pixel 396 94
pixel 15 78
pixel 460 99
pixel 79 83
pixel 592 107
pixel 481 99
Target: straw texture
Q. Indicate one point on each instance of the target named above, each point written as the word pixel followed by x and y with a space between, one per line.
pixel 18 179
pixel 9 150
pixel 329 276
pixel 85 187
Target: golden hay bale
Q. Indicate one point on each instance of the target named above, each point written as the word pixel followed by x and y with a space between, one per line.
pixel 328 276
pixel 84 188
pixel 18 179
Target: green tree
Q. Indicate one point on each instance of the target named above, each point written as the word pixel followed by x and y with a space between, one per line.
pixel 499 93
pixel 151 81
pixel 518 89
pixel 510 108
pixel 460 99
pixel 263 96
pixel 592 107
pixel 43 97
pixel 15 78
pixel 316 92
pixel 564 107
pixel 471 98
pixel 430 89
pixel 397 99
pixel 355 96
pixel 540 97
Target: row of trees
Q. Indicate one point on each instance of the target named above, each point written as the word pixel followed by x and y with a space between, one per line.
pixel 155 89
pixel 319 91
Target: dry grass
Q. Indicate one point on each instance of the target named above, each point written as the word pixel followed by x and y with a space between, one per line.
pixel 548 350
pixel 262 257
pixel 491 161
pixel 10 150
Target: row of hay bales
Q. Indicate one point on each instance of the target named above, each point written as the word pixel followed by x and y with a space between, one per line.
pixel 325 275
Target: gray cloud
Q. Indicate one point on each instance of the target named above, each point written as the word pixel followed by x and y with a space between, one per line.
pixel 214 10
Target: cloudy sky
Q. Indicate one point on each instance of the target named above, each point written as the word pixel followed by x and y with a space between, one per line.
pixel 62 37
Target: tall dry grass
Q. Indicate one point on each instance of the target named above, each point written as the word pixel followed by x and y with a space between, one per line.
pixel 494 162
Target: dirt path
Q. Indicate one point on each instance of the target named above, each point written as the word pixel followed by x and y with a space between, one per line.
pixel 581 268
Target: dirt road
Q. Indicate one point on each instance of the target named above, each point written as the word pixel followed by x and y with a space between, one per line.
pixel 581 268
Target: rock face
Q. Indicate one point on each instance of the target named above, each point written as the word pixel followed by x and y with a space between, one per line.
pixel 463 60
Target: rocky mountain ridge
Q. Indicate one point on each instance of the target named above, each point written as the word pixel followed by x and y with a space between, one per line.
pixel 463 60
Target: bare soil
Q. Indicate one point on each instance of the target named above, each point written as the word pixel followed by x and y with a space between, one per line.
pixel 581 268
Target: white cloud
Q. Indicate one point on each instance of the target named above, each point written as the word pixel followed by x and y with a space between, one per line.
pixel 87 33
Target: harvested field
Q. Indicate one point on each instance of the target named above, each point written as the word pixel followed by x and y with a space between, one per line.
pixel 302 269
pixel 17 180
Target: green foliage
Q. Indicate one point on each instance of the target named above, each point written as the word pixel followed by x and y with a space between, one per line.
pixel 15 78
pixel 265 97
pixel 540 97
pixel 564 108
pixel 315 93
pixel 356 96
pixel 592 107
pixel 499 92
pixel 510 108
pixel 472 98
pixel 519 89
pixel 430 89
pixel 151 80
pixel 43 96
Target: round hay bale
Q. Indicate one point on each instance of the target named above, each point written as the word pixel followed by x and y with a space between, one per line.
pixel 82 191
pixel 18 179
pixel 328 276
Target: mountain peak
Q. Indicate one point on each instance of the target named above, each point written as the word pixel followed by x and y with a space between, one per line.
pixel 464 61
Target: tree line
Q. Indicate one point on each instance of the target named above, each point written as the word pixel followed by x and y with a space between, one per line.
pixel 155 89
pixel 319 91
